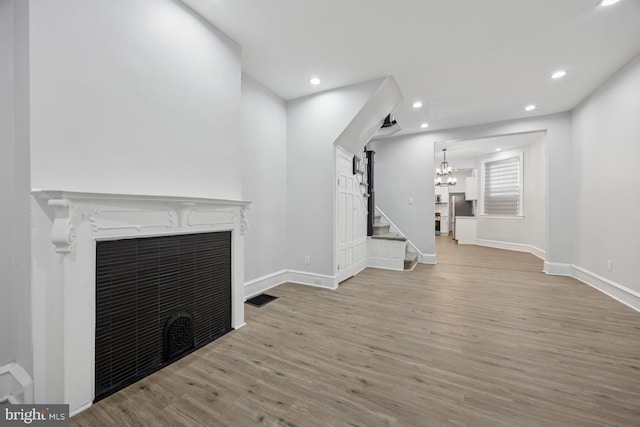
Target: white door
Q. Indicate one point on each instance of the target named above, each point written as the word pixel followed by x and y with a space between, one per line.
pixel 352 219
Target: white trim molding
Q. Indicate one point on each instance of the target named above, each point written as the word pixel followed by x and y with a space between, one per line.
pixel 66 227
pixel 80 409
pixel 427 258
pixel 16 385
pixel 626 296
pixel 313 279
pixel 518 247
pixel 557 269
pixel 262 284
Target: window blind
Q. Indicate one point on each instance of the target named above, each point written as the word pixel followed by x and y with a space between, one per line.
pixel 502 187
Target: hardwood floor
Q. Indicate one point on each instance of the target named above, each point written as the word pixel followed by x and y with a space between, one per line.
pixel 483 338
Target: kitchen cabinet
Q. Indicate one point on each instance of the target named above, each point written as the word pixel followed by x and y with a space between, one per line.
pixel 466 232
pixel 471 188
pixel 442 194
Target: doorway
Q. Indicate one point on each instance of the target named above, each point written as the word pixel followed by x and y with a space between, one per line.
pixel 470 220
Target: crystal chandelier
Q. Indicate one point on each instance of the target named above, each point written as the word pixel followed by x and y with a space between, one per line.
pixel 444 175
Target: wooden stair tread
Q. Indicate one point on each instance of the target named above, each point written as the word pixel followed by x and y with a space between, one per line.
pixel 389 236
pixel 410 257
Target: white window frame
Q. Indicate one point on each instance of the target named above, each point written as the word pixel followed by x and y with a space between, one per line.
pixel 498 157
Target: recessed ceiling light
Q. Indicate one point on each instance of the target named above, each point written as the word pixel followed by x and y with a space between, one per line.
pixel 498 149
pixel 559 74
pixel 417 104
pixel 314 81
pixel 608 2
pixel 530 107
pixel 424 125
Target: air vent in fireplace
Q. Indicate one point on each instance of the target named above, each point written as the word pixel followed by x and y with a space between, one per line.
pixel 178 335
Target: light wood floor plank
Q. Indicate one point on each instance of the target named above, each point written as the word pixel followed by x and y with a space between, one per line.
pixel 483 338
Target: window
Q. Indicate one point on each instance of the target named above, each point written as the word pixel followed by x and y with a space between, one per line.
pixel 502 186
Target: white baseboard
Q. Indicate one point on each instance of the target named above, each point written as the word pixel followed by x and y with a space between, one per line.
pixel 512 247
pixel 80 409
pixel 261 284
pixel 312 279
pixel 355 273
pixel 16 385
pixel 557 269
pixel 615 290
pixel 386 265
pixel 426 258
pixel 626 296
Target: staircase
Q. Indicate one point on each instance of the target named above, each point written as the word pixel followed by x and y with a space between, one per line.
pixel 390 249
pixel 386 247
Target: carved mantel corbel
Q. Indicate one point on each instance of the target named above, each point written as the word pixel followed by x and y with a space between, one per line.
pixel 63 234
pixel 127 214
pixel 183 210
pixel 244 222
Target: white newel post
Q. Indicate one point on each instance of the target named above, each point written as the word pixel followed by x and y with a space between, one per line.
pixel 66 227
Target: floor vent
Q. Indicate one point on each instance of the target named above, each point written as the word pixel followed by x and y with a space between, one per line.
pixel 260 300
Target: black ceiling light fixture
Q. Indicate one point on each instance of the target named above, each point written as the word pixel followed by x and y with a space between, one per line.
pixel 389 127
pixel 388 122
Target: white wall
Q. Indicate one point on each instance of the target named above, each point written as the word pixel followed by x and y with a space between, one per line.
pixel 313 125
pixel 528 231
pixel 7 181
pixel 459 162
pixel 460 175
pixel 606 132
pixel 133 96
pixel 404 169
pixel 15 311
pixel 264 178
pixel 401 171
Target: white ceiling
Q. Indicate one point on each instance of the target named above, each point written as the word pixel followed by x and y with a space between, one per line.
pixel 472 149
pixel 468 61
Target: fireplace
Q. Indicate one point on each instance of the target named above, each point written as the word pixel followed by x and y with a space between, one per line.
pixel 70 232
pixel 158 299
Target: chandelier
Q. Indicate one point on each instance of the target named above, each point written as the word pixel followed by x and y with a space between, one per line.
pixel 444 175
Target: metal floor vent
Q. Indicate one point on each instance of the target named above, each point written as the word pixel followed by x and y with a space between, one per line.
pixel 260 300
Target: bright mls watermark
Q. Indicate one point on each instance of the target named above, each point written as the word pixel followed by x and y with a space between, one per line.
pixel 34 415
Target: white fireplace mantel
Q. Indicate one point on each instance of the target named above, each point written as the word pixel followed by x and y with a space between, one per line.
pixel 66 226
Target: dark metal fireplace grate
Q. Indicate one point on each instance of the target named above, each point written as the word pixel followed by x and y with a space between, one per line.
pixel 178 336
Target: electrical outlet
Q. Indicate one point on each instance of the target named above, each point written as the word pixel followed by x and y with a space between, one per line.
pixel 610 265
pixel 410 200
pixel 307 259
